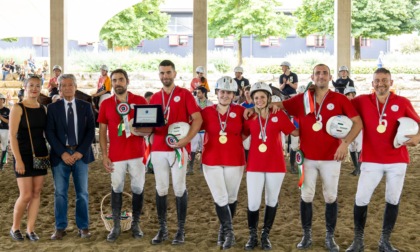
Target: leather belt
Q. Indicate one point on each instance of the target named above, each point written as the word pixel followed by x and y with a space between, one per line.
pixel 73 147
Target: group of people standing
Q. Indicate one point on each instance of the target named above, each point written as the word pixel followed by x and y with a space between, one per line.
pixel 224 125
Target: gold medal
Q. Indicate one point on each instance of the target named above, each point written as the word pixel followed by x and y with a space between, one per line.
pixel 381 128
pixel 317 126
pixel 223 139
pixel 262 147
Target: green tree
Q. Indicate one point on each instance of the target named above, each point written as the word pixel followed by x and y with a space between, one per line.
pixel 132 25
pixel 239 18
pixel 10 40
pixel 370 19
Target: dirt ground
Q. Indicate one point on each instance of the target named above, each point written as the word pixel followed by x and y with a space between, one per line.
pixel 202 223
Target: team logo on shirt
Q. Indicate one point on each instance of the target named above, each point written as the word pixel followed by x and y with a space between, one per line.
pixel 395 108
pixel 232 114
pixel 177 99
pixel 274 119
pixel 330 106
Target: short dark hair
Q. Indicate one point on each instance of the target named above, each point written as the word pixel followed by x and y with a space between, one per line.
pixel 313 70
pixel 148 94
pixel 167 63
pixel 382 70
pixel 122 71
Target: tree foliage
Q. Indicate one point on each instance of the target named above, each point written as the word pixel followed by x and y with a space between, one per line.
pixel 240 18
pixel 370 18
pixel 132 25
pixel 10 40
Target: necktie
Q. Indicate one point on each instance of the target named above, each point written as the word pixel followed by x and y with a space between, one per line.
pixel 71 133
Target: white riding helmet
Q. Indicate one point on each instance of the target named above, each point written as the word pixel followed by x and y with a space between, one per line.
pixel 349 90
pixel 2 96
pixel 238 69
pixel 301 89
pixel 339 126
pixel 260 86
pixel 286 63
pixel 226 83
pixel 104 67
pixel 343 68
pixel 179 129
pixel 407 127
pixel 57 67
pixel 275 98
pixel 199 69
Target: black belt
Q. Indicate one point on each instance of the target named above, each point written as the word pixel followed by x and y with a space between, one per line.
pixel 73 147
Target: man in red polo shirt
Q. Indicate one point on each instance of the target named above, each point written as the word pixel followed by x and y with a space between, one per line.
pixel 382 155
pixel 126 150
pixel 179 106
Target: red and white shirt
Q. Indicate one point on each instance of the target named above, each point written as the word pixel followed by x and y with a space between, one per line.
pixel 120 147
pixel 232 152
pixel 379 147
pixel 319 145
pixel 272 160
pixel 181 106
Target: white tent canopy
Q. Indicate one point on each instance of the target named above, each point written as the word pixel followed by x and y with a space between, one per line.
pixel 85 18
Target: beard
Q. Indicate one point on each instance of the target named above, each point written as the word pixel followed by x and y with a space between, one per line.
pixel 120 90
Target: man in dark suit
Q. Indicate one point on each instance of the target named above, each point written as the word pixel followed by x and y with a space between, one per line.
pixel 70 131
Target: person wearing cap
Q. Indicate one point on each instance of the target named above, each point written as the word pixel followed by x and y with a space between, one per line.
pixel 103 86
pixel 125 151
pixel 355 148
pixel 241 81
pixel 53 83
pixel 288 80
pixel 313 109
pixel 4 130
pixel 168 154
pixel 343 81
pixel 197 141
pixel 266 167
pixel 199 80
pixel 223 155
pixel 383 113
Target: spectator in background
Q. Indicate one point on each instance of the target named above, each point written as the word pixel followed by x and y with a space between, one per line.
pixel 53 84
pixel 343 81
pixel 4 130
pixel 5 69
pixel 240 81
pixel 380 59
pixel 288 80
pixel 45 67
pixel 147 96
pixel 104 86
pixel 31 62
pixel 200 80
pixel 12 64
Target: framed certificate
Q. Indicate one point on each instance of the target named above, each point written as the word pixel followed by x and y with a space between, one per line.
pixel 148 116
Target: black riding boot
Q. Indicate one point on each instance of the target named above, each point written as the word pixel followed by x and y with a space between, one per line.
pixel 306 219
pixel 269 216
pixel 292 157
pixel 331 211
pixel 355 159
pixel 116 203
pixel 390 217
pixel 221 236
pixel 360 215
pixel 225 219
pixel 137 202
pixel 190 170
pixel 161 208
pixel 3 159
pixel 181 210
pixel 253 226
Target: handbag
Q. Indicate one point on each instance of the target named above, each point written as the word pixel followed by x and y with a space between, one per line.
pixel 39 163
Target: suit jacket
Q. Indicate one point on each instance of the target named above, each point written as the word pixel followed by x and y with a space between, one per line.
pixel 56 130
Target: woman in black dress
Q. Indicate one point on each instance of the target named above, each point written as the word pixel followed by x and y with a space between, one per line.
pixel 30 181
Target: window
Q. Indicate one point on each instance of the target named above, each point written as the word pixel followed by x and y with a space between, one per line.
pixel 37 41
pixel 180 25
pixel 178 40
pixel 218 42
pixel 315 41
pixel 270 41
pixel 45 41
pixel 226 42
pixel 365 42
pixel 141 44
pixel 183 40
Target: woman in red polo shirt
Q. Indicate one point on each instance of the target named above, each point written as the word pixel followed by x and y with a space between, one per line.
pixel 223 155
pixel 266 166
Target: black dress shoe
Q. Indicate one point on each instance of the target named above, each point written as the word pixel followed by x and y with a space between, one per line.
pixel 16 235
pixel 32 236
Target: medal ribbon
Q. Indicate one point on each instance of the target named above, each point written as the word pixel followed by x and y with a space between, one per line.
pixel 308 101
pixel 320 105
pixel 124 118
pixel 299 160
pixel 220 119
pixel 166 107
pixel 180 157
pixel 381 114
pixel 263 129
pixel 147 157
